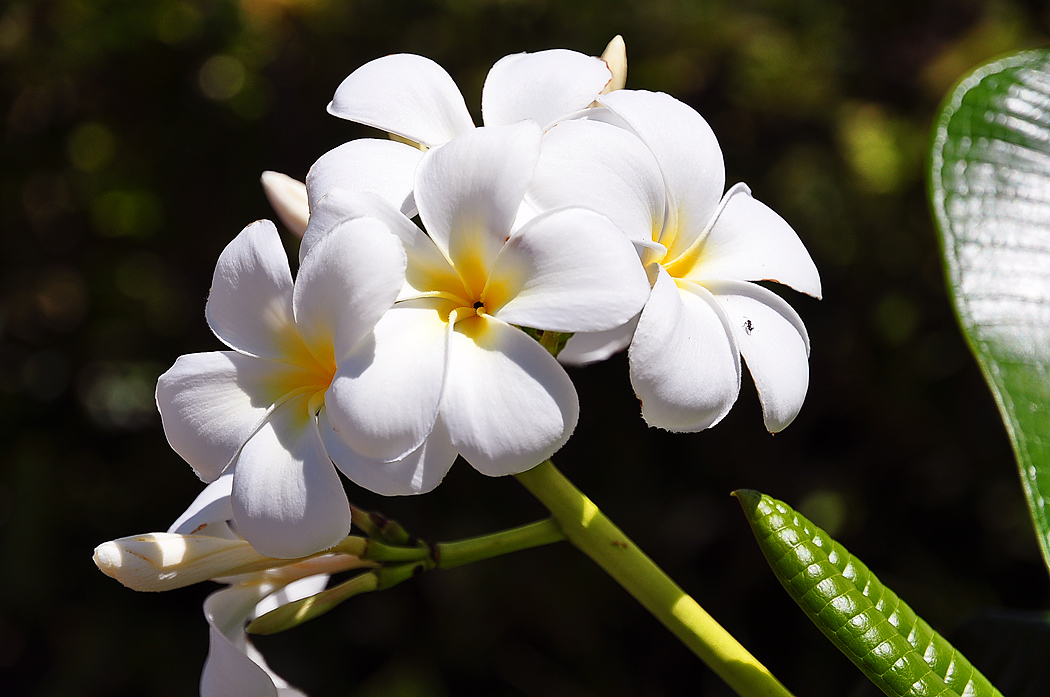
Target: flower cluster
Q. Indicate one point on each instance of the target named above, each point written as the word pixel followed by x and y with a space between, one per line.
pixel 573 210
pixel 430 263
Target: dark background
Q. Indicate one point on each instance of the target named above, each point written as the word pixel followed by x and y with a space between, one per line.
pixel 134 134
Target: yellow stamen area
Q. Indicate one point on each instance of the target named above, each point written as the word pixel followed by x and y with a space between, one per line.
pixel 306 371
pixel 684 265
pixel 474 275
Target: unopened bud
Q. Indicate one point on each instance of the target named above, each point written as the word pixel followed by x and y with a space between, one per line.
pixel 615 56
pixel 162 561
pixel 289 200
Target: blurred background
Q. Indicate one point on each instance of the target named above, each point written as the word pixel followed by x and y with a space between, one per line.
pixel 134 133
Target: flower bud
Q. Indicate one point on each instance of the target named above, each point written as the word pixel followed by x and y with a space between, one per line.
pixel 163 561
pixel 615 56
pixel 289 200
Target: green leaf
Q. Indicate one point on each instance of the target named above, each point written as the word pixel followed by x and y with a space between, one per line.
pixel 895 648
pixel 990 190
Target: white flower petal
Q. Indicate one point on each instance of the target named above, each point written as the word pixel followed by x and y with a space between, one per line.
pixel 748 241
pixel 508 405
pixel 416 473
pixel 607 169
pixel 250 305
pixel 345 284
pixel 685 365
pixel 229 670
pixel 405 94
pixel 211 403
pixel 775 345
pixel 384 398
pixel 542 86
pixel 469 192
pixel 296 590
pixel 427 266
pixel 211 509
pixel 289 201
pixel 689 156
pixel 591 347
pixel 382 167
pixel 287 497
pixel 568 270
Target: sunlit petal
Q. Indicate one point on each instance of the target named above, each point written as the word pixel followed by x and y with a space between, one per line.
pixel 383 167
pixel 416 473
pixel 211 509
pixel 604 168
pixel 384 398
pixel 210 403
pixel 567 270
pixel 345 284
pixel 749 241
pixel 469 192
pixel 427 266
pixel 508 405
pixel 250 305
pixel 542 86
pixel 287 497
pixel 592 347
pixel 774 344
pixel 405 94
pixel 229 670
pixel 685 366
pixel 689 156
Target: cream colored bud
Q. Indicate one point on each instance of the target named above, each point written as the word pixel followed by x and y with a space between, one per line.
pixel 615 56
pixel 162 561
pixel 289 200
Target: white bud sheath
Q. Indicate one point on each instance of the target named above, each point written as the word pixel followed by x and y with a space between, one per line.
pixel 289 200
pixel 163 561
pixel 615 56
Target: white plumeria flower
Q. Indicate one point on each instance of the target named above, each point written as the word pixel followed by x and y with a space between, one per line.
pixel 656 170
pixel 418 103
pixel 447 370
pixel 259 411
pixel 413 97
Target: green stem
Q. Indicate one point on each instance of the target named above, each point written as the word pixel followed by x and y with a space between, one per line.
pixel 586 527
pixel 542 532
pixel 390 565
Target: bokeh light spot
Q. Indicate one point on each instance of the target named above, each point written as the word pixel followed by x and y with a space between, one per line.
pixel 126 214
pixel 90 147
pixel 222 77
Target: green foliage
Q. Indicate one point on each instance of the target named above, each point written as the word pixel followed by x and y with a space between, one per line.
pixel 990 188
pixel 894 647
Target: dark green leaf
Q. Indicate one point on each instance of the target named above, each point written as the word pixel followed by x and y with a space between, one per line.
pixel 895 648
pixel 990 188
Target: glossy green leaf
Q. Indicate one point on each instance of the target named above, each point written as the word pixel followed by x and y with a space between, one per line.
pixel 895 648
pixel 990 189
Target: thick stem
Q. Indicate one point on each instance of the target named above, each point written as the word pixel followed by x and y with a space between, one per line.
pixel 586 527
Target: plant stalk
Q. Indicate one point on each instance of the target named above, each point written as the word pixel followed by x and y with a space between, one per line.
pixel 590 531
